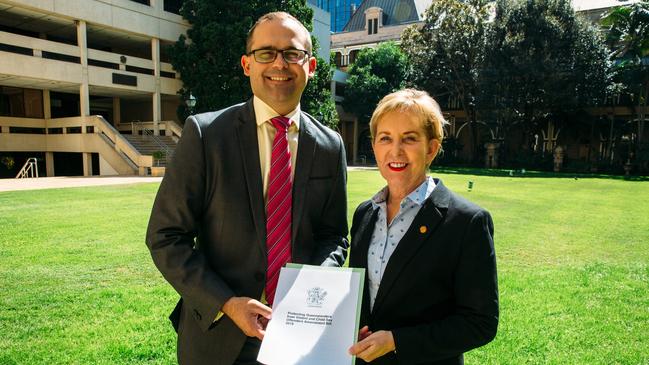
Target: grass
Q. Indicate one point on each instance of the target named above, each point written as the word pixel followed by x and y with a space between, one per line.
pixel 77 285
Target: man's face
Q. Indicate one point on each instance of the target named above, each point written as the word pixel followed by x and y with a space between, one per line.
pixel 279 84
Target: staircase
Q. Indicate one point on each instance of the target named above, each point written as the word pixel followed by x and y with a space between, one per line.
pixel 148 145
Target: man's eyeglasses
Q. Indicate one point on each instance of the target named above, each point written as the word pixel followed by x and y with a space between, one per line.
pixel 289 55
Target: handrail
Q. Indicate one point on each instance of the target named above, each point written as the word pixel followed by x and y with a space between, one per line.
pixel 37 43
pixel 170 127
pixel 166 150
pixel 175 129
pixel 147 132
pixel 157 141
pixel 121 144
pixel 104 130
pixel 29 170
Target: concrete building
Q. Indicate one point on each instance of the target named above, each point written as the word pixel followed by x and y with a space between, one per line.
pixel 78 76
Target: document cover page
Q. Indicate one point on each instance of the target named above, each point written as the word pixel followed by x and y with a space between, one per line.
pixel 315 317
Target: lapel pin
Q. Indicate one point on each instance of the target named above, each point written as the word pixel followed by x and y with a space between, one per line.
pixel 423 229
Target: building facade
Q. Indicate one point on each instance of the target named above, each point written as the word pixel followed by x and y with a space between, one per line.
pixel 77 76
pixel 321 26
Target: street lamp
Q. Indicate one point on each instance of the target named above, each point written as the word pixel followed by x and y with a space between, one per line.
pixel 191 103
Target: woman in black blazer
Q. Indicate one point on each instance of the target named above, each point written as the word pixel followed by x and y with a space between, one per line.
pixel 431 291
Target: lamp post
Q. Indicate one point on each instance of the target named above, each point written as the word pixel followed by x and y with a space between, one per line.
pixel 191 102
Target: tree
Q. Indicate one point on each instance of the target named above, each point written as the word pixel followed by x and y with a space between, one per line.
pixel 447 52
pixel 628 36
pixel 317 99
pixel 375 73
pixel 541 61
pixel 208 59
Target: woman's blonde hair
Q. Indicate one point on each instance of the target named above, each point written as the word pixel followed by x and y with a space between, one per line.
pixel 419 104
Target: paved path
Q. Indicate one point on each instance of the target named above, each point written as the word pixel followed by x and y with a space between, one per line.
pixel 68 182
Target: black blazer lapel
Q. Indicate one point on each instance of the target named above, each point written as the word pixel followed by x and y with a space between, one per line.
pixel 305 154
pixel 365 230
pixel 249 149
pixel 426 222
pixel 359 252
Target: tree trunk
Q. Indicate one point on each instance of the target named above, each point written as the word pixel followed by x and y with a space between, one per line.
pixel 474 137
pixel 641 112
pixel 610 139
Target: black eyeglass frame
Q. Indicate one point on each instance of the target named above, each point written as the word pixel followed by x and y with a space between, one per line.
pixel 277 51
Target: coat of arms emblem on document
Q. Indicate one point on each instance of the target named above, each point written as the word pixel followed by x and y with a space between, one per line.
pixel 315 297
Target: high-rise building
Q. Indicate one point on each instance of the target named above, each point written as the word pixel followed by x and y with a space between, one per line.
pixel 340 10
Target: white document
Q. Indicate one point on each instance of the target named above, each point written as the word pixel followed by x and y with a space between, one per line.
pixel 315 318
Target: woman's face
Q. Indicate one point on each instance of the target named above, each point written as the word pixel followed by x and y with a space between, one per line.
pixel 402 151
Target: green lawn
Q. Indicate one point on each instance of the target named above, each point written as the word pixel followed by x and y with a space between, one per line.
pixel 77 285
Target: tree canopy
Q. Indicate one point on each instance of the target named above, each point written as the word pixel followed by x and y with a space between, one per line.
pixel 208 59
pixel 375 73
pixel 541 59
pixel 447 52
pixel 628 36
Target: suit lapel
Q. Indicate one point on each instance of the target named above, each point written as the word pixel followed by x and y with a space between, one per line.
pixel 249 149
pixel 425 223
pixel 365 230
pixel 305 155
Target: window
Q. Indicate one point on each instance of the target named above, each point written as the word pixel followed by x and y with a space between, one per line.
pixel 21 103
pixel 372 26
pixel 352 56
pixel 338 59
pixel 173 6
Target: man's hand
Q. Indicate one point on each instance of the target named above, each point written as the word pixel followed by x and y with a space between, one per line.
pixel 250 315
pixel 373 346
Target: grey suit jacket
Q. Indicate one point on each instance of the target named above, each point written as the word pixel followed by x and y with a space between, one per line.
pixel 439 291
pixel 207 231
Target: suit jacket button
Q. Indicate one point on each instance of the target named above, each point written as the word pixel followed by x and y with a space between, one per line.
pixel 259 276
pixel 197 315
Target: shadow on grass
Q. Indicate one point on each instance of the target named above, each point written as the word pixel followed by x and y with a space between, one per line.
pixel 530 174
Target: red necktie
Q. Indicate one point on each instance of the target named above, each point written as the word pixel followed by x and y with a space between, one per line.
pixel 278 207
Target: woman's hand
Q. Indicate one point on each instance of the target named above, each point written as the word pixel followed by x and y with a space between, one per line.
pixel 363 333
pixel 372 346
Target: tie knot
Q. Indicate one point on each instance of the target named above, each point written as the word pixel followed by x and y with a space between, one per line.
pixel 281 123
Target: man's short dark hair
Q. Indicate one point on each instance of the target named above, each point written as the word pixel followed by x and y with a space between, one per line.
pixel 278 15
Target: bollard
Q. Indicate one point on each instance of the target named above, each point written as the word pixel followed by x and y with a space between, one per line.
pixel 470 185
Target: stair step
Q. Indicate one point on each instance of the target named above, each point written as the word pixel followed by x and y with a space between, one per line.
pixel 146 146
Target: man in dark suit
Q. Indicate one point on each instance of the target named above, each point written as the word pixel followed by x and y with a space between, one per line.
pixel 250 188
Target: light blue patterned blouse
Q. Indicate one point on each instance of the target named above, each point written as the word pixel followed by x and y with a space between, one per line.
pixel 385 238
